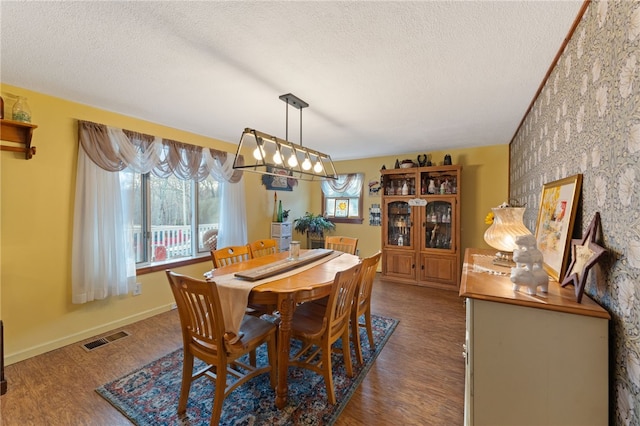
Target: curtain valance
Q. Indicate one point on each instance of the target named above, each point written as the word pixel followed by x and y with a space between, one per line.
pixel 114 149
pixel 347 185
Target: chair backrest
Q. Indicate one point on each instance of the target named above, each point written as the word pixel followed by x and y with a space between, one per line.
pixel 229 255
pixel 339 243
pixel 367 275
pixel 341 299
pixel 261 248
pixel 199 310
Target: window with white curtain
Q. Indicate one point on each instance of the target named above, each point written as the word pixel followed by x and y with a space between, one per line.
pixel 342 198
pixel 171 216
pixel 142 199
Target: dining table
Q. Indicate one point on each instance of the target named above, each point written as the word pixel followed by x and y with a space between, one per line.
pixel 284 291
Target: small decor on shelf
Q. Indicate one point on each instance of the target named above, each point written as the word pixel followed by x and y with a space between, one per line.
pixel 585 253
pixel 529 271
pixel 506 226
pixel 21 111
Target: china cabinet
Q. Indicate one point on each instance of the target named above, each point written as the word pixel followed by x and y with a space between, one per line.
pixel 421 225
pixel 531 359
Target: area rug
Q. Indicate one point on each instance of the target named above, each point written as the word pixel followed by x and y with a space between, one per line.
pixel 149 395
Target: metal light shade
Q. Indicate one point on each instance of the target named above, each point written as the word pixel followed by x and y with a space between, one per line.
pixel 270 155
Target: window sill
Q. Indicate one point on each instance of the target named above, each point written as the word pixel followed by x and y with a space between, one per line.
pixel 161 266
pixel 355 220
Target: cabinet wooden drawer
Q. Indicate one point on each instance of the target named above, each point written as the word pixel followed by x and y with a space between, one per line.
pixel 399 263
pixel 438 268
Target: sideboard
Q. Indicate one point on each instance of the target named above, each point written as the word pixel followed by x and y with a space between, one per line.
pixel 531 359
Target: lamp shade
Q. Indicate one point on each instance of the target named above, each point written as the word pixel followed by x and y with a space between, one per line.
pixel 506 227
pixel 270 155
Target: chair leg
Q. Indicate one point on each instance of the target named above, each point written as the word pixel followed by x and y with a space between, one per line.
pixel 367 321
pixel 328 375
pixel 218 398
pixel 187 371
pixel 272 352
pixel 346 350
pixel 355 336
pixel 252 358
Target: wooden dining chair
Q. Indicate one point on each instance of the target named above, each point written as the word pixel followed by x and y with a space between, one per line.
pixel 319 327
pixel 203 337
pixel 261 248
pixel 339 243
pixel 234 254
pixel 230 255
pixel 362 303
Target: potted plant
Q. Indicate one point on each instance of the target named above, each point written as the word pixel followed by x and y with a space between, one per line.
pixel 314 227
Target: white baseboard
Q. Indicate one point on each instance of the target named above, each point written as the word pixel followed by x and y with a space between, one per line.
pixel 83 335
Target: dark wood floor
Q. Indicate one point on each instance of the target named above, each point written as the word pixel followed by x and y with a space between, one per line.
pixel 418 379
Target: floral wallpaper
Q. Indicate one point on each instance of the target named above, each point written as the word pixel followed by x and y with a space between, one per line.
pixel 586 121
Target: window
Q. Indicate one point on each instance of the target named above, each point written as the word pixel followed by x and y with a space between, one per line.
pixel 342 198
pixel 169 213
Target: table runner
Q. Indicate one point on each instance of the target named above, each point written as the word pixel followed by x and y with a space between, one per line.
pixel 234 293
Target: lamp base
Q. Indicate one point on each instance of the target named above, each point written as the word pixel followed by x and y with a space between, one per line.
pixel 504 258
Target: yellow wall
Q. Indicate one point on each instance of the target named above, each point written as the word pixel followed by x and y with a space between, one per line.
pixel 36 207
pixel 36 228
pixel 484 185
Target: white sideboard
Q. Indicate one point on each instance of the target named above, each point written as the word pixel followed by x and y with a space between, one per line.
pixel 531 359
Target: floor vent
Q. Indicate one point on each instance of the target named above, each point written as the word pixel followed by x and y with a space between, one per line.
pixel 94 344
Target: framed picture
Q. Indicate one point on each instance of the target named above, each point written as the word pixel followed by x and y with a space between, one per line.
pixel 342 208
pixel 281 182
pixel 554 227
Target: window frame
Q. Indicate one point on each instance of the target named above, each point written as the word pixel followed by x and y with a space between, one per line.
pixel 197 255
pixel 352 220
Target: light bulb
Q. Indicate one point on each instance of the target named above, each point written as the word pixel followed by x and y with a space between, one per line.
pixel 306 164
pixel 256 153
pixel 277 158
pixel 293 160
pixel 318 167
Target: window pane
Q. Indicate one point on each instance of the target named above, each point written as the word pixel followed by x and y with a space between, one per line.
pixel 330 206
pixel 353 207
pixel 208 210
pixel 131 184
pixel 171 210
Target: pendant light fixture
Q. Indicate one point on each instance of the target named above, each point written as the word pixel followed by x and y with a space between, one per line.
pixel 270 155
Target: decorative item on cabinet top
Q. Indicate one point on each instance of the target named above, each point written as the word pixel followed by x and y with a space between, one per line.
pixel 19 133
pixel 506 225
pixel 585 254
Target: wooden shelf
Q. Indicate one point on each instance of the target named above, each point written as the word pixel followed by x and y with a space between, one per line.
pixel 17 132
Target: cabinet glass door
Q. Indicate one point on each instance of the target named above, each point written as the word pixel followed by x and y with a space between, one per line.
pixel 438 225
pixel 399 224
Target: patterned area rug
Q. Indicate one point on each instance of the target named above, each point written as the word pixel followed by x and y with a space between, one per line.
pixel 149 396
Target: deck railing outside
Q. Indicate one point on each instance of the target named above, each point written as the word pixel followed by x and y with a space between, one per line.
pixel 170 242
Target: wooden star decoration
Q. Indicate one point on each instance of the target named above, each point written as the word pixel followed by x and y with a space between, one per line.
pixel 585 253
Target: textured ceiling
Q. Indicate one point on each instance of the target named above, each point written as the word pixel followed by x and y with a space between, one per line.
pixel 381 78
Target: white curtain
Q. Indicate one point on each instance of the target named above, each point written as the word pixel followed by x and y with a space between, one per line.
pixel 99 254
pixel 103 262
pixel 347 185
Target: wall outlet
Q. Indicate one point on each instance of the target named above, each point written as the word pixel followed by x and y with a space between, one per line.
pixel 174 306
pixel 137 289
